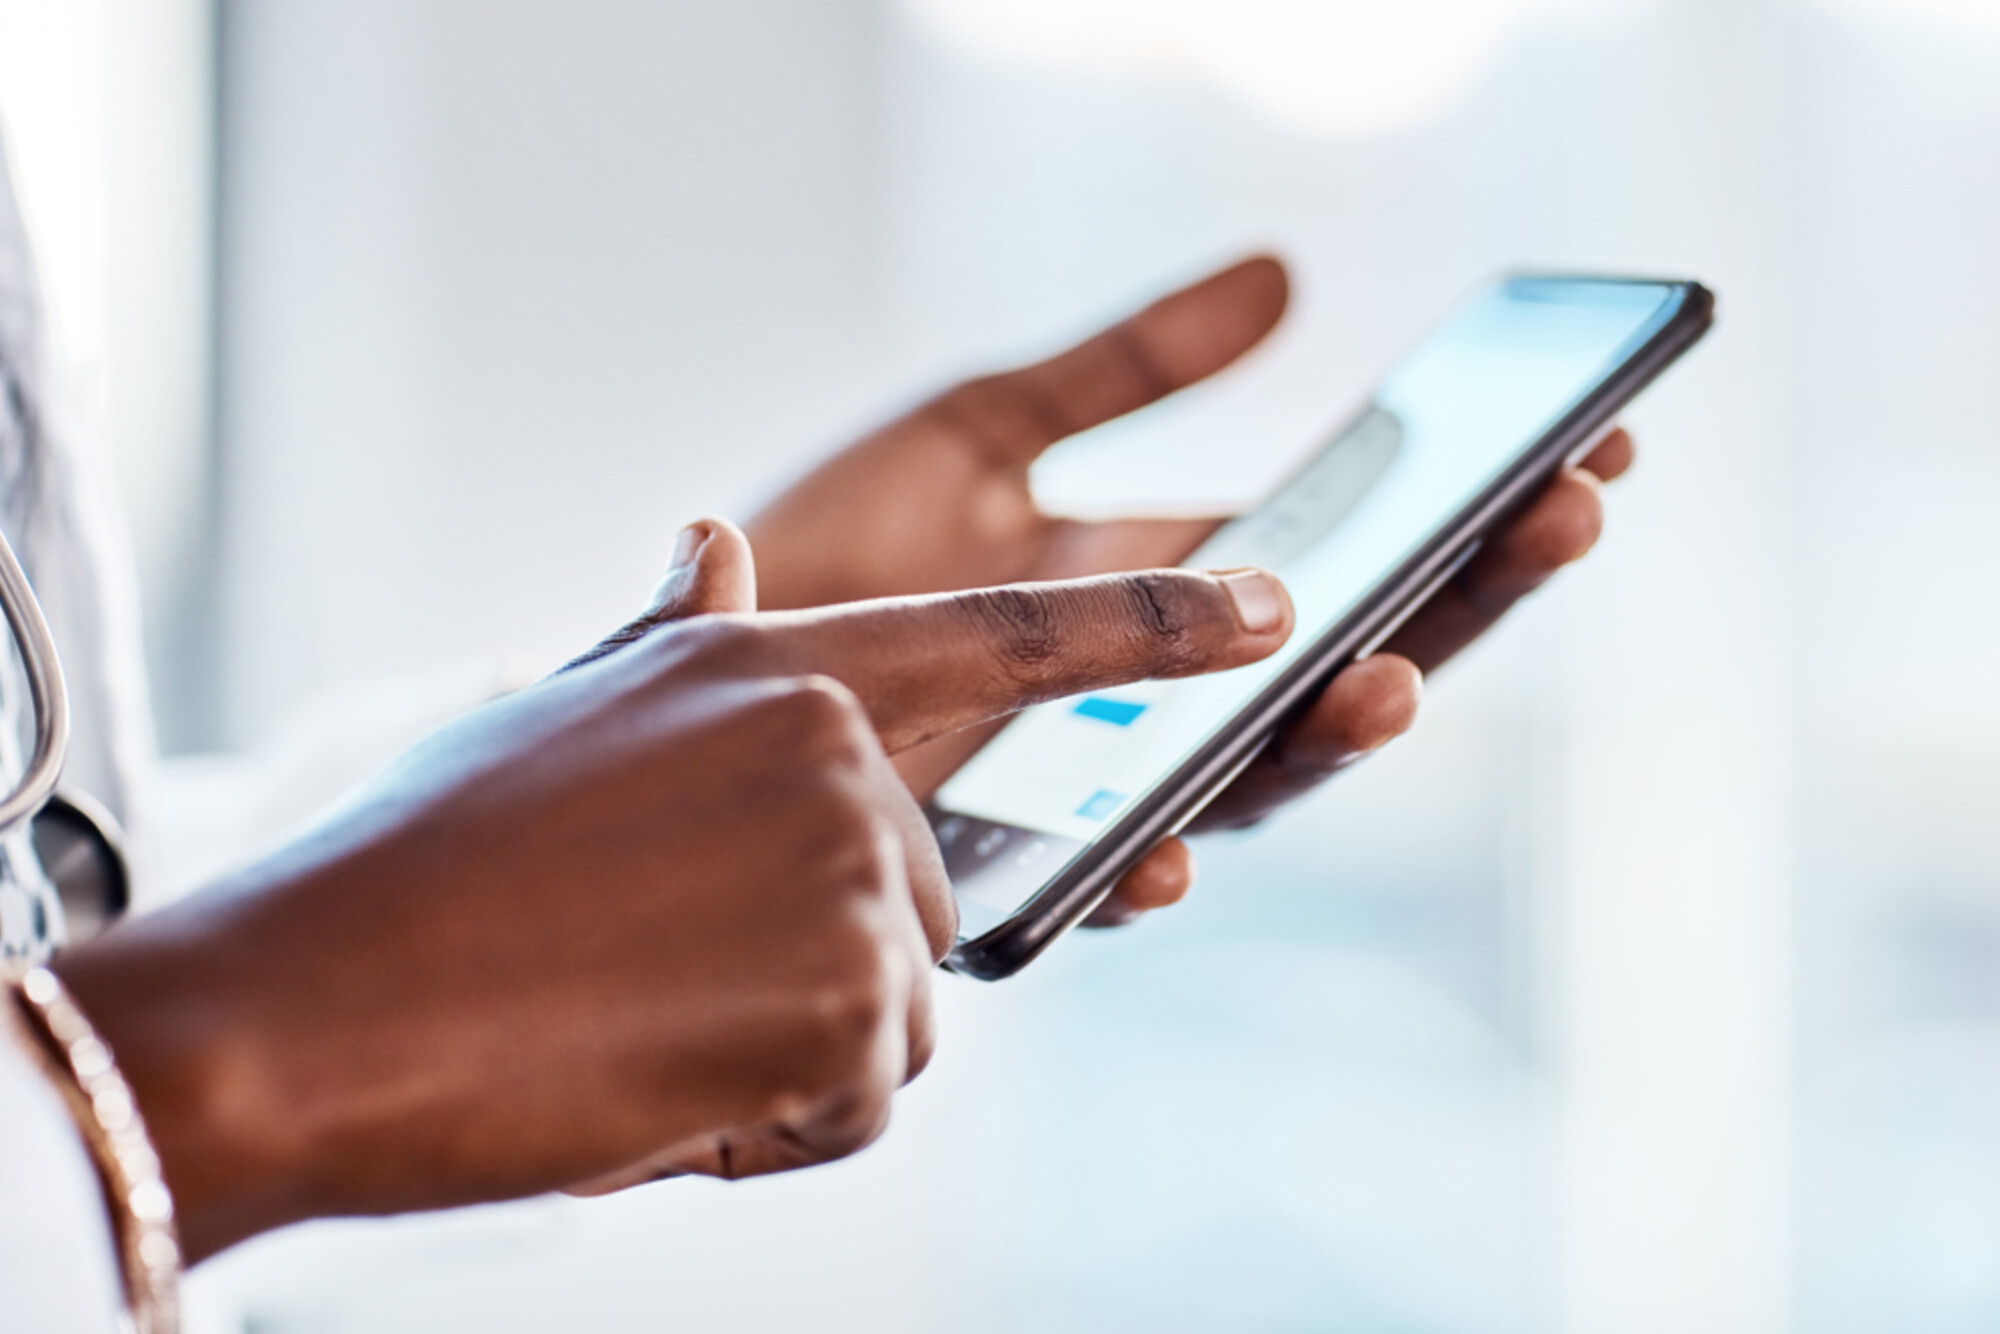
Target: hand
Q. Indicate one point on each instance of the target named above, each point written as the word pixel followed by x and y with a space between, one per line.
pixel 671 909
pixel 940 500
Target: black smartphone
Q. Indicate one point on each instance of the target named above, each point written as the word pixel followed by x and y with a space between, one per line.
pixel 1463 432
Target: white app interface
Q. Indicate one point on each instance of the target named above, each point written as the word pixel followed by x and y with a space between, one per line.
pixel 1444 424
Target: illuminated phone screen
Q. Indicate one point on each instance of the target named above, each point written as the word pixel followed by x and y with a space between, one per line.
pixel 1445 423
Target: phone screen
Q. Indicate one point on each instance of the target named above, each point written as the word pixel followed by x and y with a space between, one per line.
pixel 1443 425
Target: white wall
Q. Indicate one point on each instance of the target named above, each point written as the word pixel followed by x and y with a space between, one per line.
pixel 509 294
pixel 108 110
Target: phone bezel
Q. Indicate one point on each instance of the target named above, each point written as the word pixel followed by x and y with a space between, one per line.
pixel 1083 884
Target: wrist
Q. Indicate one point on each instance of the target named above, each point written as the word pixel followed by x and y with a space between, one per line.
pixel 188 1056
pixel 84 1072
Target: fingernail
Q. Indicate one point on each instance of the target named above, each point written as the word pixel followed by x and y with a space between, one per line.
pixel 689 544
pixel 1259 599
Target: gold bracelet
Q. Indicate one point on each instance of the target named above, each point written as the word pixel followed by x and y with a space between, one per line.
pixel 142 1211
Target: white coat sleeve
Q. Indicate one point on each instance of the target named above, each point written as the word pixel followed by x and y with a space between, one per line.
pixel 58 1270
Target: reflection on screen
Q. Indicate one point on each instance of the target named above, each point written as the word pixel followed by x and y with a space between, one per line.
pixel 1443 425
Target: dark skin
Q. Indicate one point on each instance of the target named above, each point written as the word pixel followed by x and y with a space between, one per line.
pixel 942 495
pixel 676 909
pixel 670 910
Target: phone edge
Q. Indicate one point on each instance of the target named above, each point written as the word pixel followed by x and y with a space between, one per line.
pixel 1066 901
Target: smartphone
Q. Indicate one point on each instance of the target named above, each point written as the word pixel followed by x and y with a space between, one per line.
pixel 1461 434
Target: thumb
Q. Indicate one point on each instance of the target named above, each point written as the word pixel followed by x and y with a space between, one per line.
pixel 713 572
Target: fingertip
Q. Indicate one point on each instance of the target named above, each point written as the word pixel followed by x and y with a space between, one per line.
pixel 1265 281
pixel 688 544
pixel 1260 600
pixel 1160 881
pixel 724 541
pixel 1612 456
pixel 1198 330
pixel 714 571
pixel 1581 498
pixel 1563 525
pixel 1375 701
pixel 1402 699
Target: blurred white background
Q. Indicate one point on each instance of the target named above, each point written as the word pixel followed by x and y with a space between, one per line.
pixel 1653 984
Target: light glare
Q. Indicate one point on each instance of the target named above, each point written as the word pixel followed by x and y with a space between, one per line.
pixel 51 111
pixel 1976 12
pixel 1331 67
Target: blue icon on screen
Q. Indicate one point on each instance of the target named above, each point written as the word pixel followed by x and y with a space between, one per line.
pixel 1102 802
pixel 1117 712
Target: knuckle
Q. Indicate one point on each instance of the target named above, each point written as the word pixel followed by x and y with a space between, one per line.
pixel 1022 624
pixel 1162 622
pixel 921 1054
pixel 816 722
pixel 996 407
pixel 1162 609
pixel 820 709
pixel 923 1047
pixel 850 1018
pixel 841 1125
pixel 844 1020
pixel 1138 359
pixel 863 1124
pixel 838 836
pixel 830 704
